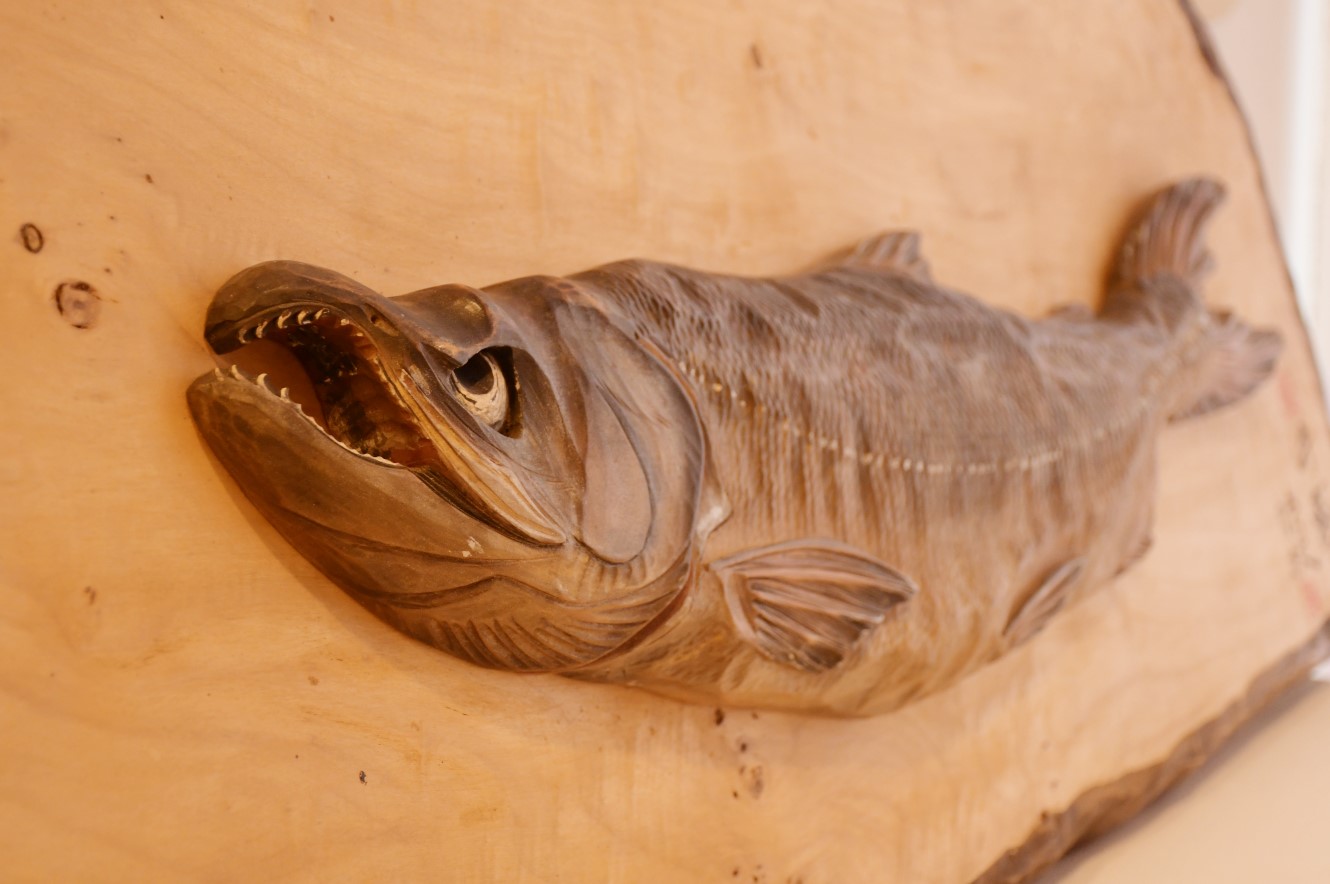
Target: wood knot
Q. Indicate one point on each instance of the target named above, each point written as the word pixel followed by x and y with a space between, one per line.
pixel 78 302
pixel 32 238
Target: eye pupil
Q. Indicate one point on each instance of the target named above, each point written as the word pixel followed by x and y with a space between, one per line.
pixel 477 375
pixel 482 389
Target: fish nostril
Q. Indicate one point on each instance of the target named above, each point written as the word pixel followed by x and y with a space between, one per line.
pixel 378 320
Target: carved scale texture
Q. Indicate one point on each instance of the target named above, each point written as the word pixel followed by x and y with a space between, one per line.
pixel 971 448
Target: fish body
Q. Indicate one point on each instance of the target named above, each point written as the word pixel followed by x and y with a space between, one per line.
pixel 833 492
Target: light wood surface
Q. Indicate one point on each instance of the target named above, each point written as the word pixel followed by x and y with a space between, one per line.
pixel 1256 812
pixel 183 697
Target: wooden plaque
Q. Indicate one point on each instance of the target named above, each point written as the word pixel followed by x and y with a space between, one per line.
pixel 185 697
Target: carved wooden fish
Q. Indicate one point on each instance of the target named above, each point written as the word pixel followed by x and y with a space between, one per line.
pixel 833 492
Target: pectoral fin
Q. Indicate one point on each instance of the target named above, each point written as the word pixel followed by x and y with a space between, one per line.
pixel 808 603
pixel 1042 602
pixel 897 250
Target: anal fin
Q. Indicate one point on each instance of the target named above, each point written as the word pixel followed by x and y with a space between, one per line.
pixel 1042 602
pixel 895 250
pixel 808 603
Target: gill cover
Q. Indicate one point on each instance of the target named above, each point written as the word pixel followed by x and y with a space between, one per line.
pixel 618 421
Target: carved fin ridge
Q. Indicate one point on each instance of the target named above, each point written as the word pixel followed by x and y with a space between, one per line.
pixel 1042 602
pixel 808 604
pixel 896 250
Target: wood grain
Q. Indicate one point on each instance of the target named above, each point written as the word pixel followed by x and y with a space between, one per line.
pixel 1105 807
pixel 185 698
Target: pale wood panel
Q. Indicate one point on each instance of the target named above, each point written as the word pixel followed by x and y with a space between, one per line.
pixel 184 697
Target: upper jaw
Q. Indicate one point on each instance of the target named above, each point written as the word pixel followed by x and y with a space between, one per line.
pixel 284 294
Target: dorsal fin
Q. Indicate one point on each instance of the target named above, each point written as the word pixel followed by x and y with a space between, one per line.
pixel 808 603
pixel 896 250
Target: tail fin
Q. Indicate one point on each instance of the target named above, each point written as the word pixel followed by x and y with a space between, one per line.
pixel 1167 238
pixel 1157 282
pixel 1163 258
pixel 1233 361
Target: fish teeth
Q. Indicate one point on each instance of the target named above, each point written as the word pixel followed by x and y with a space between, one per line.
pixel 240 335
pixel 235 372
pixel 302 317
pixel 285 393
pixel 343 321
pixel 281 320
pixel 217 373
pixel 321 312
pixel 260 328
pixel 262 381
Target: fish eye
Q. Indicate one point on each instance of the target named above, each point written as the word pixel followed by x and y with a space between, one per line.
pixel 482 389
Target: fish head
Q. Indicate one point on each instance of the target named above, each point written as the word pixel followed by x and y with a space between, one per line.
pixel 502 473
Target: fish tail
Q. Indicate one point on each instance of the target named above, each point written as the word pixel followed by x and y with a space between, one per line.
pixel 1156 282
pixel 1232 360
pixel 1167 239
pixel 1162 259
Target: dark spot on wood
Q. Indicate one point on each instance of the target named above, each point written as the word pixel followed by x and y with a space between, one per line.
pixel 78 302
pixel 651 730
pixel 147 176
pixel 754 716
pixel 1321 513
pixel 363 778
pixel 106 270
pixel 1304 446
pixel 743 745
pixel 735 793
pixel 720 717
pixel 757 781
pixel 756 55
pixel 735 873
pixel 331 18
pixel 297 757
pixel 91 594
pixel 313 679
pixel 31 237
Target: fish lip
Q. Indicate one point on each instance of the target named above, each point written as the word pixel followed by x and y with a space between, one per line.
pixel 292 294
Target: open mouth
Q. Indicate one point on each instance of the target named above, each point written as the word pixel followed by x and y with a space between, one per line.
pixel 351 364
pixel 320 362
